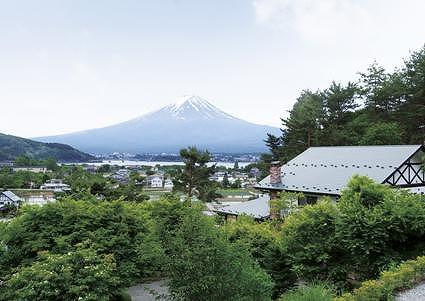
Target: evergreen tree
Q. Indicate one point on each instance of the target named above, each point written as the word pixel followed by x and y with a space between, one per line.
pixel 194 178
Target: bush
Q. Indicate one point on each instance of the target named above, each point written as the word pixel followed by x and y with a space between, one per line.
pixel 118 228
pixel 405 276
pixel 204 265
pixel 309 241
pixel 379 225
pixel 315 292
pixel 263 241
pixel 79 275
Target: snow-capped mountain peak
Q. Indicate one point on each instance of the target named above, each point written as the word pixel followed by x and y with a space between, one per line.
pixel 191 120
pixel 193 107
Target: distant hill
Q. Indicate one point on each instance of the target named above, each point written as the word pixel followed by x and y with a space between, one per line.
pixel 12 147
pixel 190 121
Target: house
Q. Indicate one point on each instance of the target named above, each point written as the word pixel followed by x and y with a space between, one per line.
pixel 218 176
pixel 35 169
pixel 8 198
pixel 258 208
pixel 121 175
pixel 168 184
pixel 155 181
pixel 325 171
pixel 56 185
pixel 322 171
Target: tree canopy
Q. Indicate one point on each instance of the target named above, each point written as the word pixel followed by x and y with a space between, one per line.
pixel 380 107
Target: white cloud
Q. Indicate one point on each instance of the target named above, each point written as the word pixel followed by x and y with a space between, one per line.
pixel 382 29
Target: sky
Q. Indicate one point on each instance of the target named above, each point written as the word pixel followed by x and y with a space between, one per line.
pixel 68 65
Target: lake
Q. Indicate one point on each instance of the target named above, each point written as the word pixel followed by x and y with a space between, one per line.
pixel 161 163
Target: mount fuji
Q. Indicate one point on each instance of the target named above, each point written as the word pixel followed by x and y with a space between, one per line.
pixel 191 120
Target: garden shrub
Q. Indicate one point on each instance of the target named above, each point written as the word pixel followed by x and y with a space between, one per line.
pixel 204 265
pixel 309 241
pixel 390 282
pixel 314 292
pixel 263 240
pixel 122 229
pixel 378 225
pixel 77 275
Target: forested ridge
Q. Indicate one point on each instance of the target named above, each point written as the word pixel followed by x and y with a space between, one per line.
pixel 379 107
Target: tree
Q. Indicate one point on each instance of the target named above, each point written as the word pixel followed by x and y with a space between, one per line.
pixel 204 265
pixel 225 182
pixel 274 144
pixel 236 165
pixel 383 133
pixel 413 109
pixel 302 128
pixel 51 164
pixel 236 184
pixel 194 178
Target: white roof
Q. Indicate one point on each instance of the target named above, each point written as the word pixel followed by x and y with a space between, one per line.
pixel 258 208
pixel 10 195
pixel 328 169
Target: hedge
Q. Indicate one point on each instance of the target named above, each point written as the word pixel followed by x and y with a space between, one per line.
pixel 405 276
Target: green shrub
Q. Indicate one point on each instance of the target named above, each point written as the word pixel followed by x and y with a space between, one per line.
pixel 405 276
pixel 119 228
pixel 78 275
pixel 263 241
pixel 315 292
pixel 378 225
pixel 309 241
pixel 204 265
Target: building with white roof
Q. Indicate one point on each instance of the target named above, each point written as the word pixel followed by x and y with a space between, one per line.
pixel 8 198
pixel 327 170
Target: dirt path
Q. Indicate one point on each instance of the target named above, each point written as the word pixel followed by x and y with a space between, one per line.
pixel 152 291
pixel 415 294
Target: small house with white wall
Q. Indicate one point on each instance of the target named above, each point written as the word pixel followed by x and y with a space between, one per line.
pixel 8 198
pixel 168 184
pixel 155 181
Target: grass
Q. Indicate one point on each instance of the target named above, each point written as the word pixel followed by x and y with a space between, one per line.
pixel 314 292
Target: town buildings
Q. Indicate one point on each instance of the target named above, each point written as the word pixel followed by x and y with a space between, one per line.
pixel 55 185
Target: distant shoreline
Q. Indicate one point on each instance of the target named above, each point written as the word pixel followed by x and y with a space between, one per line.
pixel 152 163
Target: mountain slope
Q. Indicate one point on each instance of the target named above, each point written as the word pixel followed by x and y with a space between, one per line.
pixel 12 147
pixel 190 121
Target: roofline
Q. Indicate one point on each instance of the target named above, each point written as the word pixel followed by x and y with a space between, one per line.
pixel 358 146
pixel 291 190
pixel 420 147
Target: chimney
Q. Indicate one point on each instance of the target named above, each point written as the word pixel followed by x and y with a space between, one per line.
pixel 275 178
pixel 275 173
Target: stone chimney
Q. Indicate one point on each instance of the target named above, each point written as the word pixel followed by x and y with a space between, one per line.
pixel 275 173
pixel 275 178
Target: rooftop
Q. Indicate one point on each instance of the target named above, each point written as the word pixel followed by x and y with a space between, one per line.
pixel 326 170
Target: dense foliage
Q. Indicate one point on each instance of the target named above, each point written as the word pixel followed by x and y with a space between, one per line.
pixel 108 227
pixel 379 108
pixel 205 266
pixel 77 275
pixel 12 147
pixel 102 247
pixel 21 179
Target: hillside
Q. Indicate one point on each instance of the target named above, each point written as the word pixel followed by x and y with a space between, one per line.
pixel 12 147
pixel 190 121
